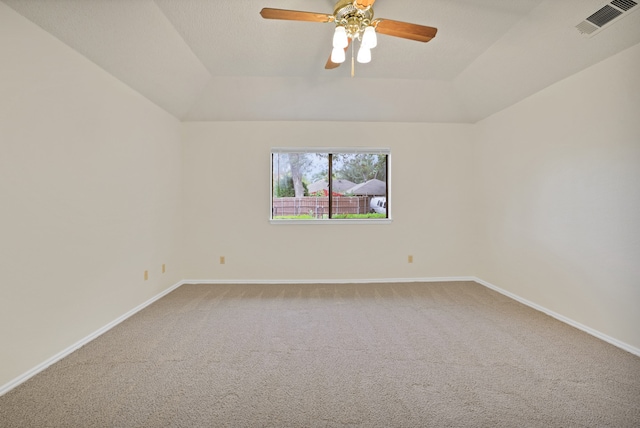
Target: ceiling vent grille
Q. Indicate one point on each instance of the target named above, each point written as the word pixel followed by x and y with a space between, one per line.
pixel 604 16
pixel 625 5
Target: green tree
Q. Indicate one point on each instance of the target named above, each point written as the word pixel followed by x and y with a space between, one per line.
pixel 359 167
pixel 284 188
pixel 290 168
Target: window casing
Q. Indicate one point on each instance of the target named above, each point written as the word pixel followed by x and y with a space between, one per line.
pixel 330 185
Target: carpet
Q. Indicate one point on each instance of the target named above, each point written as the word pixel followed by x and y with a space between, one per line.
pixel 450 354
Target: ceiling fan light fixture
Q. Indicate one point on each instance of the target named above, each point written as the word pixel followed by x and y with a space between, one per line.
pixel 340 39
pixel 354 20
pixel 369 38
pixel 364 55
pixel 338 55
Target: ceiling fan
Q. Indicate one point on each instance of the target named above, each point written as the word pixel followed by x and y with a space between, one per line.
pixel 354 21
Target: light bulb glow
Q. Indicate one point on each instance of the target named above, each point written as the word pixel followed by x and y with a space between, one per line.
pixel 364 55
pixel 340 39
pixel 337 55
pixel 369 38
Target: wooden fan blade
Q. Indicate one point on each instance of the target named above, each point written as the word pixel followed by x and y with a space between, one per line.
pixel 330 65
pixel 420 33
pixel 295 15
pixel 363 4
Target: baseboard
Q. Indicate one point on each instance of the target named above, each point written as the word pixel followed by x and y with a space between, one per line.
pixel 60 355
pixel 328 281
pixel 566 320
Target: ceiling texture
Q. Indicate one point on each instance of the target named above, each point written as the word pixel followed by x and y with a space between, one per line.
pixel 215 60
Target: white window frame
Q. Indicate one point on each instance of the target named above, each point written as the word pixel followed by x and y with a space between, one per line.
pixel 333 150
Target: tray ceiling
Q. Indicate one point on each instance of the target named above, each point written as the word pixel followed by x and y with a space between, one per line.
pixel 206 60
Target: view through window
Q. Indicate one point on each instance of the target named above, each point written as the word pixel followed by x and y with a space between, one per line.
pixel 316 184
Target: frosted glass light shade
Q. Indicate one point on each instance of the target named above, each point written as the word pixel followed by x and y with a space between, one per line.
pixel 364 55
pixel 337 55
pixel 340 39
pixel 369 38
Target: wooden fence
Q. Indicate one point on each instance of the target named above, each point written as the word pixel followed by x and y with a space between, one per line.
pixel 318 206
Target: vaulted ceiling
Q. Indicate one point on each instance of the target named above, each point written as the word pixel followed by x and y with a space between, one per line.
pixel 215 60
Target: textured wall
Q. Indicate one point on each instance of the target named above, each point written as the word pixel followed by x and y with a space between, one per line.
pixel 89 182
pixel 558 190
pixel 226 200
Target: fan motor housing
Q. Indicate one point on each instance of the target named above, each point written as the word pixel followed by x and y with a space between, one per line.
pixel 345 10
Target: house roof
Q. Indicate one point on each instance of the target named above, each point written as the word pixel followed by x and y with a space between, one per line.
pixel 371 187
pixel 339 186
pixel 318 186
pixel 221 61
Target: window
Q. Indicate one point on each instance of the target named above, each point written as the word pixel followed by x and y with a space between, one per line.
pixel 324 185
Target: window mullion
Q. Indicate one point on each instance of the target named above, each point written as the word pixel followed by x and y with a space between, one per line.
pixel 330 157
pixel 386 184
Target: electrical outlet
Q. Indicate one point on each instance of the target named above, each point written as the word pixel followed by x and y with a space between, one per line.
pixel 146 275
pixel 164 268
pixel 221 260
pixel 410 259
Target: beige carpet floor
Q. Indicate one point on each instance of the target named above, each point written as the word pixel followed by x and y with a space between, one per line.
pixel 351 355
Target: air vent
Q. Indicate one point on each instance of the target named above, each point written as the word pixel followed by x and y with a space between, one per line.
pixel 625 5
pixel 604 16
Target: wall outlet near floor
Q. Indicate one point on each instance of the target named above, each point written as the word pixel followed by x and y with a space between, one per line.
pixel 410 259
pixel 146 275
pixel 164 268
pixel 221 260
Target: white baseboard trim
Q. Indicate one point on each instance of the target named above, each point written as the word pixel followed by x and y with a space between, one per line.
pixel 569 321
pixel 328 281
pixel 60 355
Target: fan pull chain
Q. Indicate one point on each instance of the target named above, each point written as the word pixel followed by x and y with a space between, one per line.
pixel 353 64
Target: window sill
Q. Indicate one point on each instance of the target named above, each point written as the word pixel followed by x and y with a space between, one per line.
pixel 334 221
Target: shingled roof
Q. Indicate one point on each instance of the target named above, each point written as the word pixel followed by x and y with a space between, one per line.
pixel 372 187
pixel 339 186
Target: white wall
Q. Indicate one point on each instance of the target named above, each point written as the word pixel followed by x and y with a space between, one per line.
pixel 226 201
pixel 90 197
pixel 558 191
